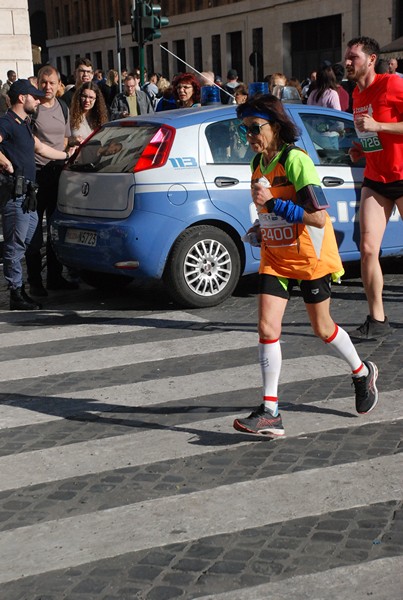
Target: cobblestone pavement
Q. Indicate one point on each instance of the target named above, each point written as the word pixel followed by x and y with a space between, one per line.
pixel 122 478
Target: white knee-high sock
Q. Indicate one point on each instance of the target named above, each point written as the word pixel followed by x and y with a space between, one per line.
pixel 341 342
pixel 270 363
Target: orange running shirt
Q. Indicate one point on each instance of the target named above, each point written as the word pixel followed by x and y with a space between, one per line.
pixel 294 250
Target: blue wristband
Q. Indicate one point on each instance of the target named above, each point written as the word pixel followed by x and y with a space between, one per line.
pixel 291 212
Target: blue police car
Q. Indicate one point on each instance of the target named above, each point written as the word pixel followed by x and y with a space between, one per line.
pixel 167 196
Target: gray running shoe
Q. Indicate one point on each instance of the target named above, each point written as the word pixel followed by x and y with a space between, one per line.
pixel 366 392
pixel 371 329
pixel 261 422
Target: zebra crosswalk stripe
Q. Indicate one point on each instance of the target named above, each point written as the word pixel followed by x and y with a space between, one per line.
pixel 381 579
pixel 86 329
pixel 118 356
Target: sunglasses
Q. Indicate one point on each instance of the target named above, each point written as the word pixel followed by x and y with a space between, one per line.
pixel 252 130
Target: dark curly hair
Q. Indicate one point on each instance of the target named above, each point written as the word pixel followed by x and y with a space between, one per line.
pixel 369 45
pixel 273 107
pixel 98 115
pixel 187 78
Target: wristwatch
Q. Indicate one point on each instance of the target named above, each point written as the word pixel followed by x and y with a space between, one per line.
pixel 67 154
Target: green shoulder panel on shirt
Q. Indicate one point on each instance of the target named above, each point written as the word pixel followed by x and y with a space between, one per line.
pixel 300 170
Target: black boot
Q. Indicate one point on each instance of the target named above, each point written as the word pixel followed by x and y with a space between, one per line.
pixel 19 300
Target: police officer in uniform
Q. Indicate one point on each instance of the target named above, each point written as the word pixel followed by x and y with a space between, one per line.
pixel 18 146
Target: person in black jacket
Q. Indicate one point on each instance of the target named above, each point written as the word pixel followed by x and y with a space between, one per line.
pixel 132 102
pixel 18 146
pixel 83 72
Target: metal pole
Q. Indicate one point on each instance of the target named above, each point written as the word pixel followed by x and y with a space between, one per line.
pixel 120 73
pixel 141 66
pixel 140 45
pixel 119 49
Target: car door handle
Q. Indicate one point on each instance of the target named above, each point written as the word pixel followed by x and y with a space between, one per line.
pixel 332 181
pixel 225 181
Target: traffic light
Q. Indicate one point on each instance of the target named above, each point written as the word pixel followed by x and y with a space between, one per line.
pixel 136 22
pixel 152 22
pixel 146 21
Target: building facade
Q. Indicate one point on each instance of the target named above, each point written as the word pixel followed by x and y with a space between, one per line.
pixel 15 39
pixel 256 37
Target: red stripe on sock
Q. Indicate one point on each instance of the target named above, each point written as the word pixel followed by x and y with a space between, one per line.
pixel 358 370
pixel 333 335
pixel 262 341
pixel 270 398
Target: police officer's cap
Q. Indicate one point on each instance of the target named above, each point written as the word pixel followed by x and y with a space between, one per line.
pixel 23 86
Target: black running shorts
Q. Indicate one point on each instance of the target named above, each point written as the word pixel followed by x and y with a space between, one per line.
pixel 313 291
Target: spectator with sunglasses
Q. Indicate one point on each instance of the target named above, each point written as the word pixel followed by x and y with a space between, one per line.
pixel 298 246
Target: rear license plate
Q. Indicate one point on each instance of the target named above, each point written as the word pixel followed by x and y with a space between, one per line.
pixel 81 236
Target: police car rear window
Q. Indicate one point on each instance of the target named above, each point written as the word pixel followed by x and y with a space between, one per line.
pixel 113 149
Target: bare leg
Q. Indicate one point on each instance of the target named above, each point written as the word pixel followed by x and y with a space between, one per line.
pixel 271 311
pixel 375 211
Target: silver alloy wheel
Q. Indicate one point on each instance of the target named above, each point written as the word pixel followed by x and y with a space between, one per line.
pixel 207 267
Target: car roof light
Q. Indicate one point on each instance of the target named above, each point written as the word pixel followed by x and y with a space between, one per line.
pixel 156 153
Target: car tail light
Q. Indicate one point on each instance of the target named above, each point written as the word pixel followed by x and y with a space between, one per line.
pixel 156 153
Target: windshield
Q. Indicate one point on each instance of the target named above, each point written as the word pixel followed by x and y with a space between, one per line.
pixel 114 149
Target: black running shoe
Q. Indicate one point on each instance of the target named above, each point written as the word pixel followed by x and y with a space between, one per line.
pixel 366 392
pixel 371 329
pixel 261 422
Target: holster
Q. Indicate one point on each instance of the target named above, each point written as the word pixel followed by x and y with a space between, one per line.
pixel 30 202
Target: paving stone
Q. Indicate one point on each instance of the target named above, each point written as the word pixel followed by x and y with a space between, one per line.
pixel 164 593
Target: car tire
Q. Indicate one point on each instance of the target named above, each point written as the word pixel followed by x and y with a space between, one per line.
pixel 104 281
pixel 203 268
